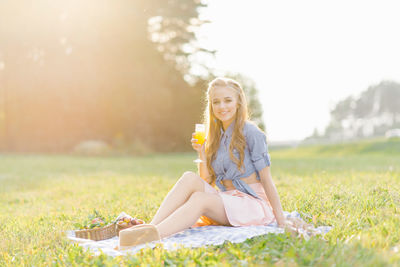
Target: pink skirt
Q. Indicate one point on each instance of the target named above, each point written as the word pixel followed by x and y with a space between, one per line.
pixel 241 209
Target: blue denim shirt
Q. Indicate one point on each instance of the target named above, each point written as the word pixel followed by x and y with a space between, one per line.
pixel 256 158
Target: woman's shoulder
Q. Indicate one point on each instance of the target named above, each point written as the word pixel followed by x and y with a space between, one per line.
pixel 251 128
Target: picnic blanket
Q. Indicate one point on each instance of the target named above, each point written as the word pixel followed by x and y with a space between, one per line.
pixel 192 237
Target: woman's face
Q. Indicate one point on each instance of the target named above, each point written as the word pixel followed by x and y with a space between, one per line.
pixel 224 104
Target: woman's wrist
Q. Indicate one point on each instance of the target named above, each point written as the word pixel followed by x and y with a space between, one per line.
pixel 202 155
pixel 281 221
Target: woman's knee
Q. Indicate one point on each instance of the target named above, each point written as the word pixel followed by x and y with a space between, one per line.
pixel 188 174
pixel 191 178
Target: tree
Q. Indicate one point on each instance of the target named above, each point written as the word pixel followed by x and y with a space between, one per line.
pixel 90 70
pixel 172 28
pixel 372 113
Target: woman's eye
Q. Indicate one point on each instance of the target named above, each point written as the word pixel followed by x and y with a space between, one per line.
pixel 228 100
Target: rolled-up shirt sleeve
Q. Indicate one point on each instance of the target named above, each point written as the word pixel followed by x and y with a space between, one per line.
pixel 258 148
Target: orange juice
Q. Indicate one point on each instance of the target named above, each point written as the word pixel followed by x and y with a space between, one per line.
pixel 200 136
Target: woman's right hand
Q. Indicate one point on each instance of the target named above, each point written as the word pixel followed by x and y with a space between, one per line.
pixel 289 226
pixel 199 148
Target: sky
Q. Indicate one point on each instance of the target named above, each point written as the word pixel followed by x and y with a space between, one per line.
pixel 304 56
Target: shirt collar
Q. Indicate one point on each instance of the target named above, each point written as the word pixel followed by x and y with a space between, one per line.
pixel 228 131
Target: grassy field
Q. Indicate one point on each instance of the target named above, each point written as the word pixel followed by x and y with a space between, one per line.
pixel 353 187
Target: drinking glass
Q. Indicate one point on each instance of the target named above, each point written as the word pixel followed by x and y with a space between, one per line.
pixel 200 135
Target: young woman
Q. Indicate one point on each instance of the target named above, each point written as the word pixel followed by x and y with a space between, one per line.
pixel 235 160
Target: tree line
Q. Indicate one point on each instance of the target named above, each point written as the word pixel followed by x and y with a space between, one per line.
pixel 115 71
pixel 370 114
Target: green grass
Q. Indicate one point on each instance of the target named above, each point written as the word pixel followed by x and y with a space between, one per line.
pixel 353 187
pixel 376 146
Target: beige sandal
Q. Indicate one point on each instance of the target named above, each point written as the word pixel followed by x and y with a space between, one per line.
pixel 137 235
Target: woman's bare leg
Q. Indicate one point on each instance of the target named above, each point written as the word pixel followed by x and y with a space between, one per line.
pixel 199 203
pixel 178 195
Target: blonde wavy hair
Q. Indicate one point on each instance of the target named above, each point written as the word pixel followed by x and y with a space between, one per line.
pixel 214 125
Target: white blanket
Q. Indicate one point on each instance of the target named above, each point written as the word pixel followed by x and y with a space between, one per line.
pixel 193 237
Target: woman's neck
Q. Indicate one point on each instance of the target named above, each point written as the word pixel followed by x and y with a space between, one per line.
pixel 226 124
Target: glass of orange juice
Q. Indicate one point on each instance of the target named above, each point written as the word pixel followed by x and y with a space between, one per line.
pixel 200 135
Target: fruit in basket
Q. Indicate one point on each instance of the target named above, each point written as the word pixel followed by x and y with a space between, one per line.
pixel 123 223
pixel 97 220
pixel 128 221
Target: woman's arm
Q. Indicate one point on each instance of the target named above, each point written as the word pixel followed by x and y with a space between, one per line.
pixel 272 194
pixel 202 167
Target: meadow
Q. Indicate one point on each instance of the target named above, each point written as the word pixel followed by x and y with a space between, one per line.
pixel 353 187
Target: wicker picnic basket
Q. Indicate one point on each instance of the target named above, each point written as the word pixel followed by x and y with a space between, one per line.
pixel 97 234
pixel 129 222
